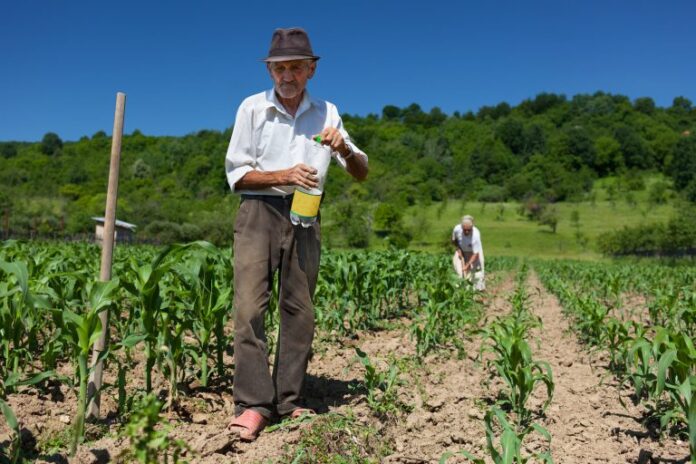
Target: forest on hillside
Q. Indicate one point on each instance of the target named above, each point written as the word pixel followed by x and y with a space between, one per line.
pixel 547 149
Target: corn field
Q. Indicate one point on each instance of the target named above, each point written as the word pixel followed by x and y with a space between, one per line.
pixel 393 329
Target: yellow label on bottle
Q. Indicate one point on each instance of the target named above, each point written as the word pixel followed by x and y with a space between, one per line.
pixel 305 205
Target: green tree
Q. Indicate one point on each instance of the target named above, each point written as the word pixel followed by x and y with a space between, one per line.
pixel 681 105
pixel 511 132
pixel 683 167
pixel 578 144
pixel 609 158
pixel 549 217
pixel 636 153
pixel 645 105
pixel 8 150
pixel 391 113
pixel 51 144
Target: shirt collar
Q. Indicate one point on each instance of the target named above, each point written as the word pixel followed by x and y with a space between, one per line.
pixel 273 102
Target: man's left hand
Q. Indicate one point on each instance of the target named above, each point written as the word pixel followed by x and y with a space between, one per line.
pixel 333 138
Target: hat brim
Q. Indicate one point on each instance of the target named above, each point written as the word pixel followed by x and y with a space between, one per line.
pixel 274 59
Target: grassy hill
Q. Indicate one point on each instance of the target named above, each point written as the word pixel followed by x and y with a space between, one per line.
pixel 506 232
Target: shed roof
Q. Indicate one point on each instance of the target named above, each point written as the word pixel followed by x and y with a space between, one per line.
pixel 125 225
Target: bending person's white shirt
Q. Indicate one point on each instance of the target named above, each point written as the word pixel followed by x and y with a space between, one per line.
pixel 469 245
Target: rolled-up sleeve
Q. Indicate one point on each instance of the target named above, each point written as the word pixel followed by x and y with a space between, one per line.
pixel 339 125
pixel 241 154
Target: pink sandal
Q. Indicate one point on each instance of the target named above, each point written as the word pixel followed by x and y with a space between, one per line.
pixel 299 412
pixel 249 424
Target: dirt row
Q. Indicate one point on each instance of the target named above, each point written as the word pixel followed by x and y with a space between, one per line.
pixel 586 419
pixel 447 397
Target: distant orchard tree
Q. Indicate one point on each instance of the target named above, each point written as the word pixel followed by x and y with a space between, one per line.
pixel 51 143
pixel 645 105
pixel 549 217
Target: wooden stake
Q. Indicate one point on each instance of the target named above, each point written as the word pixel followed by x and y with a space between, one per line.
pixel 95 378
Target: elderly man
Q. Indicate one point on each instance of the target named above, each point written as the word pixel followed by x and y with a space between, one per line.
pixel 468 256
pixel 273 138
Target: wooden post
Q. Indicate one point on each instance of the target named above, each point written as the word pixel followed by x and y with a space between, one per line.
pixel 95 378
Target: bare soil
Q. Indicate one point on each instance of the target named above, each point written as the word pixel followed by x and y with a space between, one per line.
pixel 586 419
pixel 447 399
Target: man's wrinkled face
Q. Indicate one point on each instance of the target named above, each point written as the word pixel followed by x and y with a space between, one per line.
pixel 467 229
pixel 290 77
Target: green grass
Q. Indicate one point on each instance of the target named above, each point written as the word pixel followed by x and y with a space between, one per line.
pixel 505 232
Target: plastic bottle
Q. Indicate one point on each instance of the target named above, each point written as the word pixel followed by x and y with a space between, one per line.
pixel 305 202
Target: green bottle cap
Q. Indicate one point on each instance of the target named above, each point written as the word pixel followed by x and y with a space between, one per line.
pixel 317 139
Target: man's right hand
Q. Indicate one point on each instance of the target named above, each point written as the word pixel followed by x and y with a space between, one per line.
pixel 302 176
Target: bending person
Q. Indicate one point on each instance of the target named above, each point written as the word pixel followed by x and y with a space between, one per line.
pixel 468 258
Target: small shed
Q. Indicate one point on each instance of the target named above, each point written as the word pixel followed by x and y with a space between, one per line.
pixel 123 231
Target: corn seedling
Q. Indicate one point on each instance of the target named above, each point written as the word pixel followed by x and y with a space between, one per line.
pixel 510 442
pixel 381 386
pixel 150 441
pixel 81 332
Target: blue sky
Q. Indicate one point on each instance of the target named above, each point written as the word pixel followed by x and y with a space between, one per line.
pixel 186 66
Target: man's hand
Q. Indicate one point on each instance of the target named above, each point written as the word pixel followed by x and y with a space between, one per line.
pixel 355 165
pixel 302 176
pixel 333 138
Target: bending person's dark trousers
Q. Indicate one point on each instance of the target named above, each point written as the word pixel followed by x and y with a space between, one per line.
pixel 265 241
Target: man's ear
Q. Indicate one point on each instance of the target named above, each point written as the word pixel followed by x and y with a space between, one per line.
pixel 312 69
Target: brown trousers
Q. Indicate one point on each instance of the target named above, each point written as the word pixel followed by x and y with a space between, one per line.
pixel 266 241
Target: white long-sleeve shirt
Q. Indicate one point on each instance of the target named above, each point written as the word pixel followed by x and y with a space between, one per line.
pixel 267 138
pixel 469 244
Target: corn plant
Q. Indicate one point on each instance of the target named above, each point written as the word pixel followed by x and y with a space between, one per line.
pixel 514 364
pixel 510 442
pixel 667 364
pixel 209 301
pixel 13 454
pixel 616 337
pixel 513 357
pixel 446 310
pixel 150 441
pixel 20 318
pixel 81 333
pixel 143 282
pixel 381 386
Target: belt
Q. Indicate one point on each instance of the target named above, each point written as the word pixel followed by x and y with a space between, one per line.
pixel 279 202
pixel 249 196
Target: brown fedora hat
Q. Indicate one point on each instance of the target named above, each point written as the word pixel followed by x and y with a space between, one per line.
pixel 290 44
